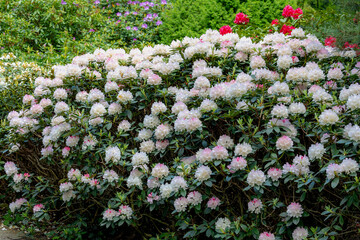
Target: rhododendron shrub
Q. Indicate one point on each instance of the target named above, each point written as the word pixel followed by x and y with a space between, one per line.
pixel 212 137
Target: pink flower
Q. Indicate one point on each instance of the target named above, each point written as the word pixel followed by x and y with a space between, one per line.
pixel 295 59
pixel 225 30
pixel 266 236
pixel 284 143
pixel 294 210
pixel 26 175
pixel 38 207
pixel 241 18
pixel 213 203
pixel 275 173
pixel 151 197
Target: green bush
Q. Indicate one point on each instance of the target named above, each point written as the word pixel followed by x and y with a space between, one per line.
pixel 268 10
pixel 35 24
pixel 339 19
pixel 191 18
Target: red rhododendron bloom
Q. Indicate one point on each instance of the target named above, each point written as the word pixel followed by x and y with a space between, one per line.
pixel 288 11
pixel 225 30
pixel 297 13
pixel 286 29
pixel 275 22
pixel 330 41
pixel 348 45
pixel 241 18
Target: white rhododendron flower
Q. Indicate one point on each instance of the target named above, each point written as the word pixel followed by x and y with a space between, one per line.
pixel 222 225
pixel 256 178
pixel 294 210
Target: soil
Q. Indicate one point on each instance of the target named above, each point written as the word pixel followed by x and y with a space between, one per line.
pixel 11 233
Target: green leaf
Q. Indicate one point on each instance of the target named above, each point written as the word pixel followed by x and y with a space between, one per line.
pixel 335 182
pixel 208 183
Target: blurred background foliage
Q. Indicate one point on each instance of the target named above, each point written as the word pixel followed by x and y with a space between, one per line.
pixel 336 18
pixel 53 32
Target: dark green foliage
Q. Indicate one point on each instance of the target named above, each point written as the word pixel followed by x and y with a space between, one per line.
pixel 39 23
pixel 262 12
pixel 191 18
pixel 339 19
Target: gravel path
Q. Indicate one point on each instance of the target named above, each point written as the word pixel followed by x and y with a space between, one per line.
pixel 7 233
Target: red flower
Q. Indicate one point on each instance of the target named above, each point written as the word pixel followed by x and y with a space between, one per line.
pixel 225 30
pixel 288 11
pixel 297 13
pixel 241 18
pixel 286 29
pixel 275 22
pixel 330 41
pixel 347 45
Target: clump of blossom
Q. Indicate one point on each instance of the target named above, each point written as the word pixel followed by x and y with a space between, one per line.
pixel 237 164
pixel 125 212
pixel 112 154
pixel 294 210
pixel 299 167
pixel 349 166
pixel 157 108
pixel 38 208
pixel 213 203
pixel 243 149
pixel 161 145
pixel 178 182
pixel 73 174
pixel 288 11
pixel 180 204
pixel 300 233
pixel 160 171
pixel 316 151
pixel 255 206
pixel 202 173
pixel 284 143
pixel 266 236
pixel 110 176
pixel 280 111
pixel 222 225
pixel 166 190
pixel 72 141
pixel 139 158
pixel 328 117
pixel 145 134
pixel 256 178
pixel 124 125
pixel 225 30
pixel 17 204
pixel 194 198
pixel 219 153
pixel 204 155
pixel 162 131
pixel 297 108
pixel 225 141
pixel 332 170
pixel 147 146
pixel 10 168
pixel 110 214
pixel 330 41
pixel 274 174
